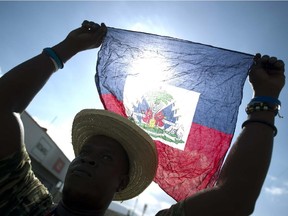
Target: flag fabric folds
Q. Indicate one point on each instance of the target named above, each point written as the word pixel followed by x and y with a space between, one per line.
pixel 185 95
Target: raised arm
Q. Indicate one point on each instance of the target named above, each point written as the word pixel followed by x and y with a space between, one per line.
pixel 19 86
pixel 246 166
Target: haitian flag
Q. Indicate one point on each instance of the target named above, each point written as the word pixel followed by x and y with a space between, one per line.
pixel 185 95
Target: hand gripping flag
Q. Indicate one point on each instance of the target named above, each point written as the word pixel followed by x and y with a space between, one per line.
pixel 185 95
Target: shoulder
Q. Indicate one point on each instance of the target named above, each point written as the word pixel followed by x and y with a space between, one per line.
pixel 23 191
pixel 175 210
pixel 14 162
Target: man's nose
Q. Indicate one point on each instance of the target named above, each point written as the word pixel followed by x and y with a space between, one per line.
pixel 89 161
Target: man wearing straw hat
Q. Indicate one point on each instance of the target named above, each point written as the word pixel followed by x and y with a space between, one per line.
pixel 115 159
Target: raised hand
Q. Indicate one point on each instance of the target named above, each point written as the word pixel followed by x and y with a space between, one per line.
pixel 267 76
pixel 90 35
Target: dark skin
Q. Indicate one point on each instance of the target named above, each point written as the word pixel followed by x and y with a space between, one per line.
pixel 235 193
pixel 99 171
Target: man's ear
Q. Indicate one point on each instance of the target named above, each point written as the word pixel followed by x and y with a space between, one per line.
pixel 124 180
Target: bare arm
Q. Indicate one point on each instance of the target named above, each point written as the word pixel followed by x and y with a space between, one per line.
pixel 246 166
pixel 19 86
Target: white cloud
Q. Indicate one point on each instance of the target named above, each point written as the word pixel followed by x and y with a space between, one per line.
pixel 60 134
pixel 272 178
pixel 276 191
pixel 278 186
pixel 286 183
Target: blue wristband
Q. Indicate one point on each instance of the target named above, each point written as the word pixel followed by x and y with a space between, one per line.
pixel 267 99
pixel 53 55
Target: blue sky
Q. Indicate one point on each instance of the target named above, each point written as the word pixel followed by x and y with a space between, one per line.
pixel 250 27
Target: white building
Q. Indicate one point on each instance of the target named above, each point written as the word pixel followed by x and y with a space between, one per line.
pixel 48 161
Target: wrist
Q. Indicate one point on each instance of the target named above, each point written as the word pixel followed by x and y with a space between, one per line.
pixel 263 120
pixel 53 56
pixel 264 115
pixel 65 50
pixel 270 93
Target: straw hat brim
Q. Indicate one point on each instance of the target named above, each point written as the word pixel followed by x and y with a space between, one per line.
pixel 136 142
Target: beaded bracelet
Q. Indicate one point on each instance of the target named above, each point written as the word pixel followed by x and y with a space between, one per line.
pixel 261 122
pixel 58 63
pixel 260 106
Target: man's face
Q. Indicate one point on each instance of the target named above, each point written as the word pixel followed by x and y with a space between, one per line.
pixel 100 170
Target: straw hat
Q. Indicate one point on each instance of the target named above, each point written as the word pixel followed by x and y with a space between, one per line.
pixel 137 143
